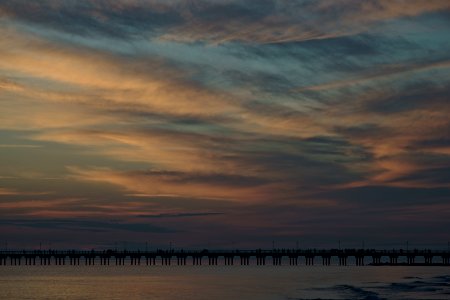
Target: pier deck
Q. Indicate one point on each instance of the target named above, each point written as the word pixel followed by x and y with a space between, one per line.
pixel 293 257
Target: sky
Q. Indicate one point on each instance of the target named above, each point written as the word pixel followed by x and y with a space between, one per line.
pixel 225 123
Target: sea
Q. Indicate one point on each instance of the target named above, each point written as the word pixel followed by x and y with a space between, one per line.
pixel 224 282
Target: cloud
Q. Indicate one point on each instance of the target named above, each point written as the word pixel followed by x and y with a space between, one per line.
pixel 35 207
pixel 121 19
pixel 176 184
pixel 383 73
pixel 412 98
pixel 385 196
pixel 97 79
pixel 205 165
pixel 97 85
pixel 436 145
pixel 276 22
pixel 287 171
pixel 122 209
pixel 268 21
pixel 85 225
pixel 19 146
pixel 4 191
pixel 102 89
pixel 264 117
pixel 14 192
pixel 180 215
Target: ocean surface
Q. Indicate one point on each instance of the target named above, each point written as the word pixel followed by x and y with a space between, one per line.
pixel 223 282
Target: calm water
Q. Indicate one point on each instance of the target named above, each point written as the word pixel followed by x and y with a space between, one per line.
pixel 223 282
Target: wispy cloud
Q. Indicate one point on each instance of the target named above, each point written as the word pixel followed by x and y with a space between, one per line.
pixel 268 21
pixel 14 192
pixel 156 183
pixel 19 146
pixel 263 116
pixel 180 215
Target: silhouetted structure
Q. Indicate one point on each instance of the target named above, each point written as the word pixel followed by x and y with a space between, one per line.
pixel 276 257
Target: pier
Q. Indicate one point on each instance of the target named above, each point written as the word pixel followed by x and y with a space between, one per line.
pixel 276 257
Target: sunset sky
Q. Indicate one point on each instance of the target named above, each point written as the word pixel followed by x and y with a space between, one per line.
pixel 224 123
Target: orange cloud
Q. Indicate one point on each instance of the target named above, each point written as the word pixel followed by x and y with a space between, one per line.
pixel 14 192
pixel 85 85
pixel 171 184
pixel 97 76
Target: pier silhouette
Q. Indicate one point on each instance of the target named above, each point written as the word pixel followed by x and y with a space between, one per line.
pixel 277 257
